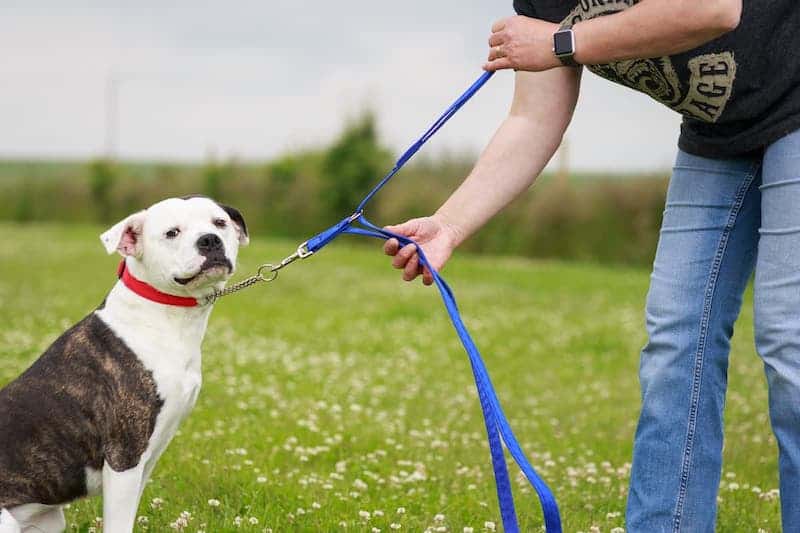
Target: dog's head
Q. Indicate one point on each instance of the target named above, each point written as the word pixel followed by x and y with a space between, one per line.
pixel 184 246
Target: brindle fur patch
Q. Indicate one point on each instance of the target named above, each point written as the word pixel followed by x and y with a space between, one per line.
pixel 86 400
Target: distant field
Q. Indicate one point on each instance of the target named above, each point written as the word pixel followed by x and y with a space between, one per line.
pixel 339 398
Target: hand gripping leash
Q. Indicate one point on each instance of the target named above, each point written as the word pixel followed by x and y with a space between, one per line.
pixel 497 427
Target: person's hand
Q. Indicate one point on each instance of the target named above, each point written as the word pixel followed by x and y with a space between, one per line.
pixel 522 43
pixel 437 238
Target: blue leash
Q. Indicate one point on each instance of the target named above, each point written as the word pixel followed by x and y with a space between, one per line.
pixel 497 426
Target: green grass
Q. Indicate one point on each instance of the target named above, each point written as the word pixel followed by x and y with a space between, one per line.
pixel 339 389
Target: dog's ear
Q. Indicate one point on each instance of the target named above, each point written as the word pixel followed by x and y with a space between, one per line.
pixel 125 236
pixel 238 220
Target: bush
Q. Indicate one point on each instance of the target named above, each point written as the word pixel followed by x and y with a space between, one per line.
pixel 608 219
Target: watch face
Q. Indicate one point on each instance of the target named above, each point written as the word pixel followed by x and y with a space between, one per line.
pixel 562 43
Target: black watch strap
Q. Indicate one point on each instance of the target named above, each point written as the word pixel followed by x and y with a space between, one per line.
pixel 564 45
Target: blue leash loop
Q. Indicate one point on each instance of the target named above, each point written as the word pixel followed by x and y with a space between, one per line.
pixel 497 427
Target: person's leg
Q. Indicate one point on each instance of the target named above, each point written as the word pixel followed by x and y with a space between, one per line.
pixel 777 311
pixel 705 255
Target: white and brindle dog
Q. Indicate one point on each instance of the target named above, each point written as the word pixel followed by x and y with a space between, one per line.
pixel 93 414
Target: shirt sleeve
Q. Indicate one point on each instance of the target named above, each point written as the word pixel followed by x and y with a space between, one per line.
pixel 525 7
pixel 549 10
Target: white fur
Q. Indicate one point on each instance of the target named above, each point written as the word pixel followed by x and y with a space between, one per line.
pixel 166 339
pixel 33 517
pixel 94 481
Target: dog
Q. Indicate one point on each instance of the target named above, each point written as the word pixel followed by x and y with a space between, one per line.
pixel 95 412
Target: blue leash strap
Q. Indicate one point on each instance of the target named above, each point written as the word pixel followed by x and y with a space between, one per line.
pixel 497 427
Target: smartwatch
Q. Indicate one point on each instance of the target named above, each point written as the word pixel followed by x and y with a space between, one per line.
pixel 564 45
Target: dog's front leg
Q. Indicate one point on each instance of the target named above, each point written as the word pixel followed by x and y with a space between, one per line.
pixel 121 493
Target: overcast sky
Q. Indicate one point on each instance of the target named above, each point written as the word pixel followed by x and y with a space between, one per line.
pixel 255 79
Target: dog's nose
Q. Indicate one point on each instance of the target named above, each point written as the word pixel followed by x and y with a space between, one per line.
pixel 209 243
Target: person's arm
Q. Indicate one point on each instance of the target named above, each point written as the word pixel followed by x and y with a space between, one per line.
pixel 526 140
pixel 651 28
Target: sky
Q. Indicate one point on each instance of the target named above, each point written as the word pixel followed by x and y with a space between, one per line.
pixel 253 80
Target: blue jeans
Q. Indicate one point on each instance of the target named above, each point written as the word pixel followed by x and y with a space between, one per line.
pixel 723 218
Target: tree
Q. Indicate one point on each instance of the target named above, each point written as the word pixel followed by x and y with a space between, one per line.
pixel 355 161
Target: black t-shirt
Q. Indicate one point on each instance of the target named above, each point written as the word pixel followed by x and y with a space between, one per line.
pixel 737 93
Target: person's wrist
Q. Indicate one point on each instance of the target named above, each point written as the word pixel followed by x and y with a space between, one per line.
pixel 561 62
pixel 577 31
pixel 454 234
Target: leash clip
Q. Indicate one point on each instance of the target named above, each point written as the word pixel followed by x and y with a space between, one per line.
pixel 301 253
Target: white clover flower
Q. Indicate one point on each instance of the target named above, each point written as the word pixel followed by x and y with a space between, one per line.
pixel 401 510
pixel 377 512
pixel 156 503
pixel 213 502
pixel 491 526
pixel 360 485
pixel 468 529
pixel 237 521
pixel 395 525
pixel 618 530
pixel 315 505
pixel 261 479
pixel 253 520
pixel 438 518
pixel 364 514
pixel 142 520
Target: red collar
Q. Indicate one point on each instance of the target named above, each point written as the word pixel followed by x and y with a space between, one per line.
pixel 151 293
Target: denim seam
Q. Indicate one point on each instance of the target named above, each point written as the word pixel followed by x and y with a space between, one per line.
pixel 701 345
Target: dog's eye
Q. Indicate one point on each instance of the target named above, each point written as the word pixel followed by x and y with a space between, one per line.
pixel 220 222
pixel 171 234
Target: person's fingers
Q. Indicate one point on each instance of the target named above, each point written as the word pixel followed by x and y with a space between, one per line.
pixel 411 270
pixel 427 277
pixel 406 228
pixel 497 39
pixel 496 52
pixel 402 257
pixel 499 25
pixel 498 64
pixel 391 246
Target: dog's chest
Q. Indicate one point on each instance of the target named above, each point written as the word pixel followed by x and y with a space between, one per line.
pixel 171 352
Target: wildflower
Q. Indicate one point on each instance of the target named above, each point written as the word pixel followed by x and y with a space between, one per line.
pixel 156 503
pixel 395 525
pixel 261 479
pixel 213 502
pixel 253 520
pixel 491 526
pixel 468 529
pixel 364 514
pixel 438 518
pixel 401 510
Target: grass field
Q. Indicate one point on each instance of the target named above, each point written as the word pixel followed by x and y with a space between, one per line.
pixel 339 398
